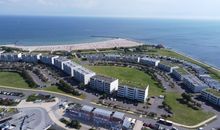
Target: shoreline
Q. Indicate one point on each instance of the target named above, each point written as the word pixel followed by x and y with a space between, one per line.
pixel 80 46
pixel 196 60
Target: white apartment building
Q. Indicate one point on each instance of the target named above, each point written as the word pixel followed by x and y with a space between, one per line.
pixel 211 95
pixel 193 83
pixel 10 57
pixel 133 93
pixel 104 84
pixel 149 61
pixel 83 75
pixel 69 67
pixel 59 62
pixel 178 73
pixel 167 66
pixel 48 59
pixel 31 58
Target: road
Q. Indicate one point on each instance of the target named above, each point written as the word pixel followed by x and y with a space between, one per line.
pixel 84 102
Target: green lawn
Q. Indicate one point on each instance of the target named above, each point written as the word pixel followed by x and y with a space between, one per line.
pixel 129 76
pixel 184 114
pixel 12 79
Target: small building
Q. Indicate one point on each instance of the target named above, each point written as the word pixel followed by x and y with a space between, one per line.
pixel 128 123
pixel 59 62
pixel 30 58
pixel 48 59
pixel 104 84
pixel 86 112
pixel 167 66
pixel 178 73
pixel 118 117
pixel 10 57
pixel 149 61
pixel 133 93
pixel 211 95
pixel 193 83
pixel 102 117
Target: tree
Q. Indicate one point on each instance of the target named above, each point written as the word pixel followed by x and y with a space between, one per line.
pixel 74 124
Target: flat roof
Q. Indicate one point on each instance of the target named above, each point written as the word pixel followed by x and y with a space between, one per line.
pixel 63 59
pixel 84 70
pixel 168 63
pixel 194 80
pixel 213 91
pixel 150 59
pixel 182 71
pixel 105 78
pixel 102 112
pixel 118 115
pixel 71 64
pixel 87 108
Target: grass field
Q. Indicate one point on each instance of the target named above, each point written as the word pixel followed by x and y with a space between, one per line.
pixel 183 114
pixel 129 76
pixel 12 79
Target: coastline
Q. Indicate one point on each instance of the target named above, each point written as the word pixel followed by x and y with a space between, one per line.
pixel 81 46
pixel 196 60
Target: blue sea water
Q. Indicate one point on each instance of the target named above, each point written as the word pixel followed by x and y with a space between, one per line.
pixel 197 38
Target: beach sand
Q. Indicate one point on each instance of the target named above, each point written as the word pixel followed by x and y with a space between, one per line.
pixel 82 46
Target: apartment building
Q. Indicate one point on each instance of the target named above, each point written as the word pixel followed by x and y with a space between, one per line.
pixel 30 58
pixel 48 59
pixel 193 83
pixel 211 95
pixel 104 84
pixel 59 62
pixel 149 61
pixel 133 93
pixel 10 57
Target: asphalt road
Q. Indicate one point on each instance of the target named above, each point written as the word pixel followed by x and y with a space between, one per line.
pixel 31 118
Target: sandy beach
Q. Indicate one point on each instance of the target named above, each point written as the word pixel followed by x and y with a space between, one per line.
pixel 82 46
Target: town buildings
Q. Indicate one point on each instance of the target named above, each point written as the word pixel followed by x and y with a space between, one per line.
pixel 104 84
pixel 83 75
pixel 211 95
pixel 31 58
pixel 59 62
pixel 10 57
pixel 193 83
pixel 133 93
pixel 69 67
pixel 149 61
pixel 178 73
pixel 167 66
pixel 48 59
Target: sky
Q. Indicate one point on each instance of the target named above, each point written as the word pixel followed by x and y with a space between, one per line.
pixel 195 9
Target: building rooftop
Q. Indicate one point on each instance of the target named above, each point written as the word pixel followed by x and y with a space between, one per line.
pixel 104 78
pixel 62 59
pixel 102 112
pixel 84 70
pixel 118 115
pixel 213 91
pixel 129 122
pixel 182 71
pixel 194 80
pixel 150 59
pixel 170 64
pixel 50 56
pixel 71 64
pixel 87 108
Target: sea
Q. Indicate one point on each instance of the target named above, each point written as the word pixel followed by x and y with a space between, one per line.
pixel 199 39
